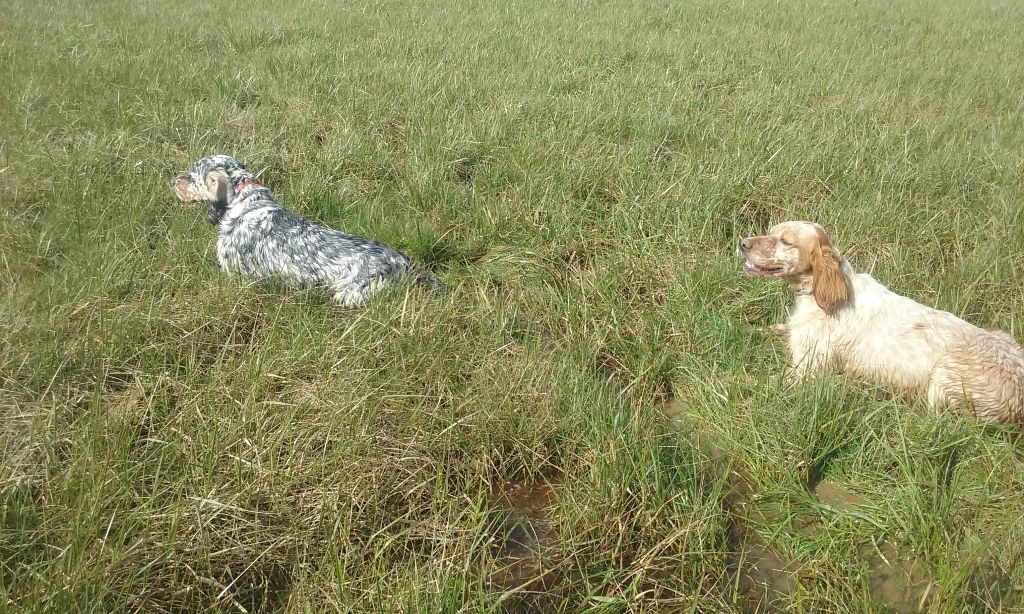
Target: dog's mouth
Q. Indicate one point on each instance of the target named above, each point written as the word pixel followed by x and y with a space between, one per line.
pixel 757 271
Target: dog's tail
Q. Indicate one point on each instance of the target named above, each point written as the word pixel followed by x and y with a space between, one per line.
pixel 423 277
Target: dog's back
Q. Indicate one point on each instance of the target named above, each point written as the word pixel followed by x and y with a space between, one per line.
pixel 265 240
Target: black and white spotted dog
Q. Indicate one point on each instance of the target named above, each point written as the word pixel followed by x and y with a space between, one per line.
pixel 261 239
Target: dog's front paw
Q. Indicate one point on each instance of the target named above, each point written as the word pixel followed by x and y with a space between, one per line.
pixel 792 377
pixel 778 330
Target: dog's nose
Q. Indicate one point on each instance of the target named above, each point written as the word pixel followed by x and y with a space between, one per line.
pixel 745 245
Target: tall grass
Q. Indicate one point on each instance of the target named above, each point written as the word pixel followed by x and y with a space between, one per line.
pixel 579 173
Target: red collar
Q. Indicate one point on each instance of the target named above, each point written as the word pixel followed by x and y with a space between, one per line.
pixel 247 183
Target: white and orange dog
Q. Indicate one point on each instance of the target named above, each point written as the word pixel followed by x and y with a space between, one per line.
pixel 848 322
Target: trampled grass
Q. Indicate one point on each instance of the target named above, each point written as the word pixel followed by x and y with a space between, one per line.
pixel 579 174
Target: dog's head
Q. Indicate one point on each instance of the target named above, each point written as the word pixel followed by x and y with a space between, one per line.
pixel 211 179
pixel 214 180
pixel 801 253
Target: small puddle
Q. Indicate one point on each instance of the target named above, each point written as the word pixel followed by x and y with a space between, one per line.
pixel 837 496
pixel 527 530
pixel 761 575
pixel 527 544
pixel 896 581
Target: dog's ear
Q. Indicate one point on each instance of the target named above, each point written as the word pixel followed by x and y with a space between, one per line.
pixel 218 184
pixel 829 286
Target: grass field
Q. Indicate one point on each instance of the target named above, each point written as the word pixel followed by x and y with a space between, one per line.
pixel 593 419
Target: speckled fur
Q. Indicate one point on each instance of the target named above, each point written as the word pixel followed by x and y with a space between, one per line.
pixel 260 239
pixel 849 322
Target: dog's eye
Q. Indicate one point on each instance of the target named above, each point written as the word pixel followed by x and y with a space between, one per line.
pixel 785 243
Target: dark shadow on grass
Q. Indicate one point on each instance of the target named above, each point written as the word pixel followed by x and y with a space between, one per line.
pixel 441 253
pixel 992 588
pixel 1012 434
pixel 267 590
pixel 525 330
pixel 820 463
